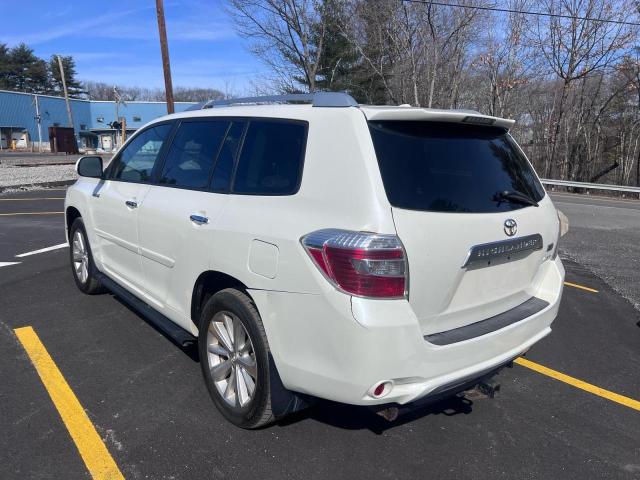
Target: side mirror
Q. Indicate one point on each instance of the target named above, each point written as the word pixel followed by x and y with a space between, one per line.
pixel 89 167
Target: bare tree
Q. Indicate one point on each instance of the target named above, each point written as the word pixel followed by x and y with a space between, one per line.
pixel 285 34
pixel 573 48
pixel 570 77
pixel 418 51
pixel 104 91
pixel 505 61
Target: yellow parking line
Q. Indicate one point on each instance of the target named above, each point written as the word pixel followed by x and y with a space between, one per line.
pixel 587 387
pixel 29 199
pixel 93 451
pixel 29 213
pixel 581 287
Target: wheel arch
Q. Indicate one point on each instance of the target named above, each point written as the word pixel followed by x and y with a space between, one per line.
pixel 283 401
pixel 71 213
pixel 208 284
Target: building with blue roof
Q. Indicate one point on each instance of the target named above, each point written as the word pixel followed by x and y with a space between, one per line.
pixel 91 119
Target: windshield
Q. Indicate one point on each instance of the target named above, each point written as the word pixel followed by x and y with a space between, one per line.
pixel 452 167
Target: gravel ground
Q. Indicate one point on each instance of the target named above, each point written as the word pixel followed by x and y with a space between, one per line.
pixel 29 158
pixel 55 168
pixel 11 176
pixel 35 159
pixel 604 237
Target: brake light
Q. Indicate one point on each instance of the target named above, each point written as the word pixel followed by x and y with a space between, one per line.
pixel 359 263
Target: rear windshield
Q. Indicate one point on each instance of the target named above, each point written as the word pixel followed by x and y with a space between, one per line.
pixel 451 167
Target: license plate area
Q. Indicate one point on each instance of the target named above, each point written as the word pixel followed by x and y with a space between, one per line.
pixel 505 250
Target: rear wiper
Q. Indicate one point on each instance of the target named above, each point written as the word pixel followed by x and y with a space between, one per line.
pixel 514 196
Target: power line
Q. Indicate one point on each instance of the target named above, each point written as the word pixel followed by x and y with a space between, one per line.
pixel 523 12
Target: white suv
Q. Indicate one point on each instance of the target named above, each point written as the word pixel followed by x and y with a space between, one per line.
pixel 370 255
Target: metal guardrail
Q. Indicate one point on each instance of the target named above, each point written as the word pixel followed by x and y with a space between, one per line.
pixel 592 186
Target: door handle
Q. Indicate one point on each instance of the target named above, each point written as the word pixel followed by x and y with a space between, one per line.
pixel 131 204
pixel 199 219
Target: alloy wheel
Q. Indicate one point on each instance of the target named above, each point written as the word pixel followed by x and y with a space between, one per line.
pixel 231 359
pixel 80 257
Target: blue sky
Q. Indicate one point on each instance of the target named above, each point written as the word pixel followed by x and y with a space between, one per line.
pixel 116 41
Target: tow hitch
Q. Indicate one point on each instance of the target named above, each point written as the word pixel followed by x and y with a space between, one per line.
pixel 489 388
pixel 483 386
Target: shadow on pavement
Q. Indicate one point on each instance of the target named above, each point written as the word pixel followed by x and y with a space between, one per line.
pixel 190 349
pixel 352 417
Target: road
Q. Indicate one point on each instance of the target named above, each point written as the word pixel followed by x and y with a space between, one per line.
pixel 148 403
pixel 604 236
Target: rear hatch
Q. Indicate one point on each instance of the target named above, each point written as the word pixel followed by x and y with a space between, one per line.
pixel 461 199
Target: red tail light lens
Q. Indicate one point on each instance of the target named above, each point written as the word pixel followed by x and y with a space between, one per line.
pixel 362 264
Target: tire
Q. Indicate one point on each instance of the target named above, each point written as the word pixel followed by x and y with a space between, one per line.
pixel 230 364
pixel 81 260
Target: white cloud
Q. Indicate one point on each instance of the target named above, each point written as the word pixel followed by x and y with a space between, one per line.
pixel 188 29
pixel 206 24
pixel 75 28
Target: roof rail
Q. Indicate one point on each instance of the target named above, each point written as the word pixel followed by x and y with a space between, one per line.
pixel 318 99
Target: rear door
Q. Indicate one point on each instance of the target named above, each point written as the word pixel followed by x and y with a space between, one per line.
pixel 177 220
pixel 446 184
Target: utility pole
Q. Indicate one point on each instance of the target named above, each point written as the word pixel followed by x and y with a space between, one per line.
pixel 66 94
pixel 116 98
pixel 39 121
pixel 164 48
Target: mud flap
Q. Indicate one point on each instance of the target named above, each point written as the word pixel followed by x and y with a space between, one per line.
pixel 283 401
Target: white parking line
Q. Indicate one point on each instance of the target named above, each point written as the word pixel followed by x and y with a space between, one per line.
pixel 6 264
pixel 42 250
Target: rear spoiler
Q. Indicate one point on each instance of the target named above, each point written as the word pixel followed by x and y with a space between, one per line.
pixel 434 115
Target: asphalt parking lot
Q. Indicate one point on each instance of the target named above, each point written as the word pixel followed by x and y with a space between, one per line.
pixel 147 402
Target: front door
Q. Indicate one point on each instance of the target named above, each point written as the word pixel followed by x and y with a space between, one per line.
pixel 116 203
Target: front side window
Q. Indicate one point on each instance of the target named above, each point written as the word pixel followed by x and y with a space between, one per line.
pixel 135 163
pixel 192 153
pixel 451 167
pixel 271 159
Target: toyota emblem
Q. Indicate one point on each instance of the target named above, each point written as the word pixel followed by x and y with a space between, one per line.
pixel 510 227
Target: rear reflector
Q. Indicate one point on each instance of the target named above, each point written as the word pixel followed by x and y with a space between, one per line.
pixel 358 263
pixel 382 389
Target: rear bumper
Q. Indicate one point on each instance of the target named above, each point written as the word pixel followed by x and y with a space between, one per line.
pixel 337 347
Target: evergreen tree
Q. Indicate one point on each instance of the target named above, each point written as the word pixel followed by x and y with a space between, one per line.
pixel 22 71
pixel 341 68
pixel 4 67
pixel 339 59
pixel 74 87
pixel 26 72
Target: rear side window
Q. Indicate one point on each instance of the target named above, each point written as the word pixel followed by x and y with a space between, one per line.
pixel 227 157
pixel 192 153
pixel 135 163
pixel 451 167
pixel 271 159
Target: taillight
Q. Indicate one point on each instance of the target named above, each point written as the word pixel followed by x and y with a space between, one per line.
pixel 360 263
